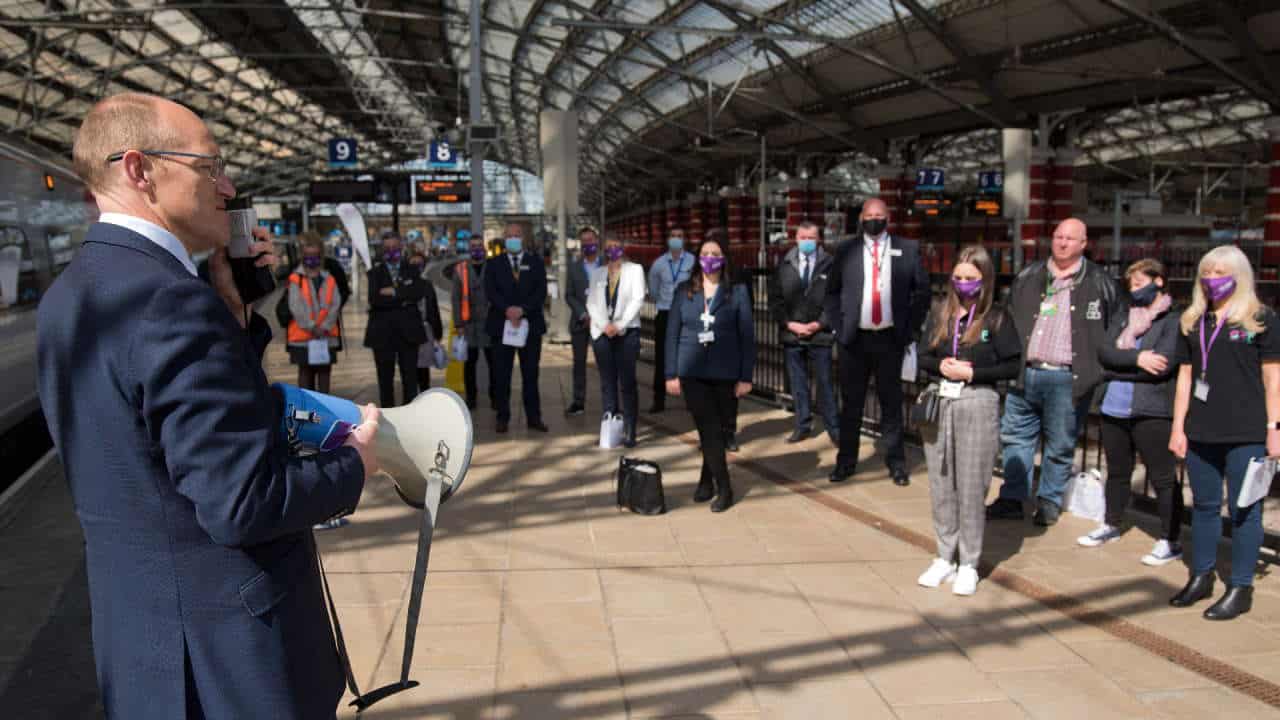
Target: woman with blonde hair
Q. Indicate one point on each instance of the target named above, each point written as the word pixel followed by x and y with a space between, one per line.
pixel 1226 411
pixel 970 345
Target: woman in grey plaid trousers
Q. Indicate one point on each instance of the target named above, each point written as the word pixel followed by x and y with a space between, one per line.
pixel 969 346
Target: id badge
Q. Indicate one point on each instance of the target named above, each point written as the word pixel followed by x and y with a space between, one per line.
pixel 707 337
pixel 1048 309
pixel 950 389
pixel 1201 391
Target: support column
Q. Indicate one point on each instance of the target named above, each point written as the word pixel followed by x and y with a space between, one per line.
pixel 1016 152
pixel 1271 228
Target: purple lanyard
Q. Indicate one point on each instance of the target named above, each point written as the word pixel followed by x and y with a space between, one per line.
pixel 1204 349
pixel 955 336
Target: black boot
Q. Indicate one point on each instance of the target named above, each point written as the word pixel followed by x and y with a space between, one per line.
pixel 706 490
pixel 724 497
pixel 1198 588
pixel 629 434
pixel 1237 601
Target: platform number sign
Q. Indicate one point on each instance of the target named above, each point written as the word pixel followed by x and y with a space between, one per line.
pixel 991 182
pixel 442 155
pixel 930 180
pixel 342 152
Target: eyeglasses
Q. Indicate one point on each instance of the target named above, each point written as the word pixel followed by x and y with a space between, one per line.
pixel 215 170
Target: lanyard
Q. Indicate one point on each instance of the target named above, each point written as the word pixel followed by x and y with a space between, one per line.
pixel 706 308
pixel 1204 349
pixel 961 324
pixel 611 294
pixel 677 266
pixel 877 255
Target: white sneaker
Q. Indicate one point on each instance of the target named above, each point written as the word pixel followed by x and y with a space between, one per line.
pixel 1101 535
pixel 939 571
pixel 966 581
pixel 1163 553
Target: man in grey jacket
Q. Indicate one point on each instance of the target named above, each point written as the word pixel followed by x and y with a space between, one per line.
pixel 575 296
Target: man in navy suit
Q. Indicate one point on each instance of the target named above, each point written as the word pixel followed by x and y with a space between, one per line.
pixel 877 299
pixel 395 329
pixel 205 591
pixel 515 283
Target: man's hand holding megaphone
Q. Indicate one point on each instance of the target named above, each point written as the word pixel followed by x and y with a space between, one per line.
pixel 364 438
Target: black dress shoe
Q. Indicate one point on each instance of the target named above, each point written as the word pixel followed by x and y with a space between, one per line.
pixel 724 499
pixel 705 491
pixel 1047 514
pixel 502 426
pixel 539 426
pixel 731 442
pixel 1237 601
pixel 1005 509
pixel 575 409
pixel 799 435
pixel 629 435
pixel 901 478
pixel 1197 588
pixel 841 473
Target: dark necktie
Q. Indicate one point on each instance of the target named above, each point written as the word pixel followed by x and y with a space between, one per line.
pixel 807 265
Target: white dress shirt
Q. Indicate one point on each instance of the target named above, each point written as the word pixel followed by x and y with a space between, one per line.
pixel 886 287
pixel 155 234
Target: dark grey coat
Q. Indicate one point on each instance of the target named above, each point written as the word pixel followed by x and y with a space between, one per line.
pixel 1152 394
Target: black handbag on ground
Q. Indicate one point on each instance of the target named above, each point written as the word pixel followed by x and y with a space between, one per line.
pixel 640 487
pixel 925 410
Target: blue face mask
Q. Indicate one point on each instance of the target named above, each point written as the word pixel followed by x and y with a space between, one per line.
pixel 514 245
pixel 808 247
pixel 675 243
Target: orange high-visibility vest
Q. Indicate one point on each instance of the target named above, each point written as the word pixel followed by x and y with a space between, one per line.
pixel 296 334
pixel 466 291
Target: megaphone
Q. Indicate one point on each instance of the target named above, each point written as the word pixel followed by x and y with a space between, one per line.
pixel 430 437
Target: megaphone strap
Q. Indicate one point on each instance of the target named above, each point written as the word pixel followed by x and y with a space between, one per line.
pixel 337 627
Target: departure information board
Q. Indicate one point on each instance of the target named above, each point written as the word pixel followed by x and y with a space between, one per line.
pixel 444 188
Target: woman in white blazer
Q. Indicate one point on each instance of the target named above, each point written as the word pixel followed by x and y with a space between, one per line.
pixel 613 304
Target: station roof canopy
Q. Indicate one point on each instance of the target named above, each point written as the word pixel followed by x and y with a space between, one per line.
pixel 669 92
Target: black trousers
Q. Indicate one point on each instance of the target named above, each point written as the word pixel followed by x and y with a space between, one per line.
pixel 504 365
pixel 469 375
pixel 660 359
pixel 1150 438
pixel 874 353
pixel 385 360
pixel 616 359
pixel 711 403
pixel 580 339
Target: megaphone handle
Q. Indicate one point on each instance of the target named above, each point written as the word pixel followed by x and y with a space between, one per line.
pixel 430 508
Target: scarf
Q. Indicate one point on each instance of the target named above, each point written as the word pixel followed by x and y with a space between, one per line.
pixel 1140 319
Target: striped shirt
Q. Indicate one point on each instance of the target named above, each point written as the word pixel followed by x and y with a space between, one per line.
pixel 1051 338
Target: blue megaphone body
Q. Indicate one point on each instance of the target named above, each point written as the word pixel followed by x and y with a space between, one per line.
pixel 315 421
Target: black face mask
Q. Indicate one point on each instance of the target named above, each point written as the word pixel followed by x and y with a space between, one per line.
pixel 1145 295
pixel 874 226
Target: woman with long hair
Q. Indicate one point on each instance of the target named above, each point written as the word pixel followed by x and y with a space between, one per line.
pixel 1137 408
pixel 1226 411
pixel 970 345
pixel 614 300
pixel 711 351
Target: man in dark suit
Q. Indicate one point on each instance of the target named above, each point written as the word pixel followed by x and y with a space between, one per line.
pixel 395 325
pixel 877 299
pixel 515 283
pixel 575 296
pixel 205 593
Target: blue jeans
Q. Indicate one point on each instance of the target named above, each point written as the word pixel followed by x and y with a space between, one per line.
pixel 1207 463
pixel 1043 403
pixel 797 367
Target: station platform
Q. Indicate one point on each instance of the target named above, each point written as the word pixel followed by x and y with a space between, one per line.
pixel 545 601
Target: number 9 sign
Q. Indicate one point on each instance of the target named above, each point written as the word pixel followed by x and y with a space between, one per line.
pixel 342 152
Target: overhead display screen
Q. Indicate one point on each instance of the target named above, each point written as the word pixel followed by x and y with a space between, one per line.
pixel 444 188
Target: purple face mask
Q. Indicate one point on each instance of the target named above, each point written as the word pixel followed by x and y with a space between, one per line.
pixel 1218 288
pixel 614 254
pixel 967 289
pixel 477 253
pixel 311 261
pixel 391 256
pixel 590 249
pixel 711 264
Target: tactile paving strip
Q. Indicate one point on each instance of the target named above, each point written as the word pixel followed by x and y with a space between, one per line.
pixel 1233 677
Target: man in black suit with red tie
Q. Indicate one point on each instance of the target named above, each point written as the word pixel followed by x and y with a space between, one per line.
pixel 877 299
pixel 395 327
pixel 515 284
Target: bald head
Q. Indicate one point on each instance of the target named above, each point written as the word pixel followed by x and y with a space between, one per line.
pixel 129 121
pixel 1070 239
pixel 875 208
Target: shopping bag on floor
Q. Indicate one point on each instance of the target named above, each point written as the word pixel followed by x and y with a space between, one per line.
pixel 515 335
pixel 640 487
pixel 1085 496
pixel 1257 480
pixel 611 431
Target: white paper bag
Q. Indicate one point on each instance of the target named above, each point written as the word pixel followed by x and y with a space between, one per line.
pixel 1257 480
pixel 318 352
pixel 611 431
pixel 460 349
pixel 909 364
pixel 1085 496
pixel 439 358
pixel 515 335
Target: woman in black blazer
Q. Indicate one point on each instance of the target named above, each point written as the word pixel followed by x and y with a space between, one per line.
pixel 711 350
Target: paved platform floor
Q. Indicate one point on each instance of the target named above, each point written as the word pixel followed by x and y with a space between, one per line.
pixel 544 601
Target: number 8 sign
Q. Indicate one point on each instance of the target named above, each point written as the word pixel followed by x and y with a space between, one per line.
pixel 442 154
pixel 342 152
